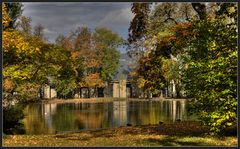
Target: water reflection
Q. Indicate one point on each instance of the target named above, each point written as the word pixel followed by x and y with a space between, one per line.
pixel 49 118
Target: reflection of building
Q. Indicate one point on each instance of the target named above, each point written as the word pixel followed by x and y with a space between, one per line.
pixel 47 111
pixel 120 112
pixel 177 109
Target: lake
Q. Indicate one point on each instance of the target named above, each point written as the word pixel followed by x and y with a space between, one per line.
pixel 65 117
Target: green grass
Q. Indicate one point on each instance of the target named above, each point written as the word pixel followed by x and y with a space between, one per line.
pixel 182 134
pixel 81 139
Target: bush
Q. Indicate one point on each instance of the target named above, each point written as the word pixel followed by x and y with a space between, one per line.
pixel 11 119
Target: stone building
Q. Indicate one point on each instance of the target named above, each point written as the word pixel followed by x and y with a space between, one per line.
pixel 48 92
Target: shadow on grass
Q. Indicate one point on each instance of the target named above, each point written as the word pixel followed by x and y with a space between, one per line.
pixel 73 137
pixel 176 129
pixel 170 141
pixel 87 135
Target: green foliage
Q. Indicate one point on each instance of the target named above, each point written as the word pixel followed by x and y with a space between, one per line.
pixel 109 42
pixel 65 87
pixel 27 92
pixel 110 63
pixel 211 74
pixel 93 59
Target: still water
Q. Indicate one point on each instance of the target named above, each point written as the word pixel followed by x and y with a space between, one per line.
pixel 49 118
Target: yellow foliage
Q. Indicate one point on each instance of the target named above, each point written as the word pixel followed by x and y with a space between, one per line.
pixel 5 18
pixel 141 82
pixel 13 39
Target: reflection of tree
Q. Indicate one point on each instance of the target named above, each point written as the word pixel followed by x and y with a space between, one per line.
pixel 34 122
pixel 152 112
pixel 70 117
pixel 93 118
pixel 63 120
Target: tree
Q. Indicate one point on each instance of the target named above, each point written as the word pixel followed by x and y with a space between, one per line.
pixel 16 51
pixel 137 30
pixel 94 57
pixel 201 10
pixel 6 19
pixel 107 43
pixel 39 31
pixel 138 25
pixel 206 49
pixel 14 11
pixel 150 75
pixel 24 24
pixel 212 72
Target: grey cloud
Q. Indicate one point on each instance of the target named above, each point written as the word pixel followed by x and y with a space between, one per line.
pixel 61 18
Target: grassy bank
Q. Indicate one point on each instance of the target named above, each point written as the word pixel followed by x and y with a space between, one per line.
pixel 78 100
pixel 178 134
pixel 104 99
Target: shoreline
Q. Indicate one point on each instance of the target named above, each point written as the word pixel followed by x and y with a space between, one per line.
pixel 102 99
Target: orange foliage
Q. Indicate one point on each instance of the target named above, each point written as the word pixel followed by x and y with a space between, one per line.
pixel 169 39
pixel 67 44
pixel 93 80
pixel 182 32
pixel 8 85
pixel 75 55
pixel 91 63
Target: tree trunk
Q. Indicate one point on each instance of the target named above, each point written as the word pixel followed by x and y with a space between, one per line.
pixel 167 90
pixel 95 91
pixel 89 94
pixel 80 92
pixel 178 90
pixel 200 9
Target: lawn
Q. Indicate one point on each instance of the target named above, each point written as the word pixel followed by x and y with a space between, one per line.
pixel 178 134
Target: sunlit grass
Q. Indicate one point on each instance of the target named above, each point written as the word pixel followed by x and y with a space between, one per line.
pixel 127 136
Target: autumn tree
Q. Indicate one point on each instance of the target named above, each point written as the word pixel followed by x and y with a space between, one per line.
pixel 24 25
pixel 16 52
pixel 211 71
pixel 137 29
pixel 107 43
pixel 70 75
pixel 94 57
pixel 14 11
pixel 200 45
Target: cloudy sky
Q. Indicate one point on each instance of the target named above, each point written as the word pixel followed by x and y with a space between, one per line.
pixel 61 18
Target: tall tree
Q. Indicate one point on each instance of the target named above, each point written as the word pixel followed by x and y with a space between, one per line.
pixel 107 43
pixel 24 25
pixel 14 11
pixel 138 28
pixel 212 72
pixel 39 31
pixel 138 25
